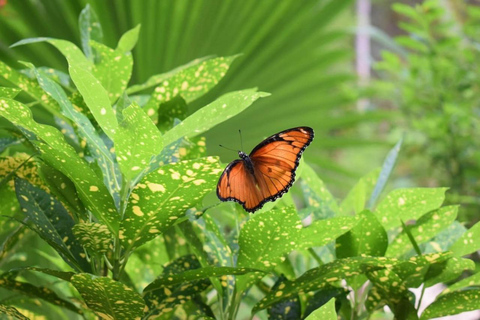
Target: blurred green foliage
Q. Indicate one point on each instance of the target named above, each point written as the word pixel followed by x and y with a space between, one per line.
pixel 436 86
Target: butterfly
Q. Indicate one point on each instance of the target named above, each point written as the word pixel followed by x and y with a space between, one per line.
pixel 267 172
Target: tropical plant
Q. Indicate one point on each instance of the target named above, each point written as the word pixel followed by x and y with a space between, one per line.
pixel 436 88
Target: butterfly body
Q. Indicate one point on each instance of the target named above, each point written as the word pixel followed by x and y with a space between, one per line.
pixel 267 172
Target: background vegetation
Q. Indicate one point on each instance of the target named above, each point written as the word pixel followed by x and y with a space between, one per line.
pixel 109 211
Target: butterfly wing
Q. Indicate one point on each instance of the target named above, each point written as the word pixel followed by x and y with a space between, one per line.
pixel 238 184
pixel 274 161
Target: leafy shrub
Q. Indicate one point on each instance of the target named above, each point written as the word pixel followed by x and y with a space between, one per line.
pixel 120 191
pixel 435 85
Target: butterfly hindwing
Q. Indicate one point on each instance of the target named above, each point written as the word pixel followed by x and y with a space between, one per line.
pixel 274 163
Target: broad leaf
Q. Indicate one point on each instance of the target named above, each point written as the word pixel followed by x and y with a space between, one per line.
pixel 108 298
pixel 318 187
pixel 128 40
pixel 426 228
pixel 322 232
pixel 468 242
pixel 453 303
pixel 11 93
pixel 290 309
pixel 472 281
pixel 137 141
pixel 356 198
pixel 163 196
pixel 448 271
pixel 266 237
pixel 94 237
pixel 52 222
pixel 216 112
pixel 407 204
pixel 90 29
pixel 325 312
pixel 367 238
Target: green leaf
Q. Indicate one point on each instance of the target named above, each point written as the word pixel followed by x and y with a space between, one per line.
pixel 318 187
pixel 453 303
pixel 71 52
pixel 216 112
pixel 162 301
pixel 52 223
pixel 266 237
pixel 90 29
pixel 317 278
pixel 290 309
pixel 472 281
pixel 468 242
pixel 113 68
pixel 67 276
pixel 171 111
pixel 170 279
pixel 325 312
pixel 108 298
pixel 407 204
pixel 428 226
pixel 356 198
pixel 128 40
pixel 94 237
pixel 10 311
pixel 367 238
pixel 86 132
pixel 163 196
pixel 450 270
pixel 322 232
pixel 35 292
pixel 96 98
pixel 9 92
pixel 27 85
pixel 387 168
pixel 137 140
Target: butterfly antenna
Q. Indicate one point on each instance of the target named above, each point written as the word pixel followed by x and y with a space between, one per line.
pixel 227 148
pixel 241 140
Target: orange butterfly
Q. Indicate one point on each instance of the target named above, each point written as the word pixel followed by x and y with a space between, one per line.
pixel 267 172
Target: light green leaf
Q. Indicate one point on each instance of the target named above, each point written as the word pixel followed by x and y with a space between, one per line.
pixel 472 281
pixel 325 312
pixel 453 303
pixel 468 242
pixel 387 168
pixel 428 226
pixel 27 85
pixel 266 237
pixel 60 155
pixel 448 271
pixel 108 298
pixel 407 204
pixel 137 140
pixel 216 112
pixel 128 40
pixel 367 238
pixel 163 196
pixel 90 29
pixel 318 187
pixel 96 98
pixel 356 198
pixel 86 131
pixel 113 69
pixel 322 232
pixel 9 92
pixel 71 52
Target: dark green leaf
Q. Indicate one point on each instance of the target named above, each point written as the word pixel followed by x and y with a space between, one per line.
pixel 290 309
pixel 52 223
pixel 10 311
pixel 94 237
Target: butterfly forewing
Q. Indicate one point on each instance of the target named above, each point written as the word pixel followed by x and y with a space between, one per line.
pixel 274 163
